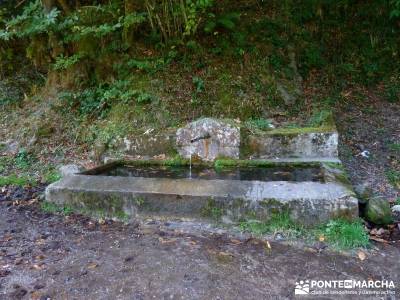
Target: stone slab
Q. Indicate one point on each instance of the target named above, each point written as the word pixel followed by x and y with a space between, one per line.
pixel 301 145
pixel 309 203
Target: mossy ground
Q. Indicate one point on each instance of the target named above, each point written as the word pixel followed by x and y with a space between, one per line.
pixel 24 168
pixel 340 234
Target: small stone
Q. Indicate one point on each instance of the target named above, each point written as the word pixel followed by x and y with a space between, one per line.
pixel 364 192
pixel 382 232
pixel 4 273
pixel 279 237
pixel 373 231
pixel 19 292
pixel 69 170
pixel 38 286
pixel 319 246
pixel 378 211
pixel 9 147
pixel 396 213
pixel 129 259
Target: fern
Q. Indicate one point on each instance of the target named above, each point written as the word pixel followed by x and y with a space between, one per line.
pixel 63 62
pixel 31 22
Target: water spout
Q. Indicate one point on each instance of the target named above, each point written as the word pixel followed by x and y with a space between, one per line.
pixel 199 138
pixel 204 137
pixel 190 162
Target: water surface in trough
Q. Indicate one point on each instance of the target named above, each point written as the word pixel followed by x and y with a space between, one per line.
pixel 201 172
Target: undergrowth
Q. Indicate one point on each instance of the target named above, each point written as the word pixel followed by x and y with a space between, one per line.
pixel 340 234
pixel 15 180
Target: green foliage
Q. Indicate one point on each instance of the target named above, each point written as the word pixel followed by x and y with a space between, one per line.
pixel 15 180
pixel 176 19
pixel 395 147
pixel 31 22
pixel 51 176
pixel 198 84
pixel 394 177
pixel 320 118
pixel 211 210
pixel 260 123
pixel 392 89
pixel 397 202
pixel 149 65
pixel 346 235
pixel 52 208
pixel 279 222
pixel 395 13
pixel 23 159
pixel 225 21
pixel 97 101
pixel 64 63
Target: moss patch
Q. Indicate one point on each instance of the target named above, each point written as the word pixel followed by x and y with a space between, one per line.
pixel 343 234
pixel 279 222
pixel 222 163
pixel 16 180
pixel 301 130
pixel 212 210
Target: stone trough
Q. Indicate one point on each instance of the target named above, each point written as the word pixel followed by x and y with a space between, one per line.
pixel 318 194
pixel 292 170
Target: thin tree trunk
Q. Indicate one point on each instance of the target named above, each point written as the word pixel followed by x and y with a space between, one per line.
pixel 48 5
pixel 64 5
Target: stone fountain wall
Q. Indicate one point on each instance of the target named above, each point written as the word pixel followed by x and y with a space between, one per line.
pixel 209 139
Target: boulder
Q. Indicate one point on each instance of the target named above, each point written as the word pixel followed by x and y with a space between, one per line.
pixel 69 170
pixel 396 213
pixel 378 211
pixel 208 139
pixel 364 192
pixel 9 147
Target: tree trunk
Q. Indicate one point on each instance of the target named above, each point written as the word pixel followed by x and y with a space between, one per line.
pixel 48 5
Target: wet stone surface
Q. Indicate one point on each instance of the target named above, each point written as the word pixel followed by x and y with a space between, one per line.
pixel 198 172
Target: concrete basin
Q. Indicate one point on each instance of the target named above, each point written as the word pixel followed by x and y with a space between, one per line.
pixel 307 202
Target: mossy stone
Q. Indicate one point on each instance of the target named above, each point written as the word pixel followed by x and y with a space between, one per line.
pixel 378 211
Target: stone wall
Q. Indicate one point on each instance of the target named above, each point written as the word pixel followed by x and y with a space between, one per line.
pixel 292 145
pixel 208 139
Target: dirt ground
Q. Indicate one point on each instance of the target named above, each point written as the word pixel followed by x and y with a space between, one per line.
pixel 45 256
pixel 370 126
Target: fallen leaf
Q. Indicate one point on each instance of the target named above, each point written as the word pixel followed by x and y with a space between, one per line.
pixel 376 239
pixel 40 241
pixel 236 242
pixel 35 295
pixel 7 238
pixel 166 241
pixel 37 267
pixel 361 255
pixel 268 245
pixel 92 266
pixel 222 253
